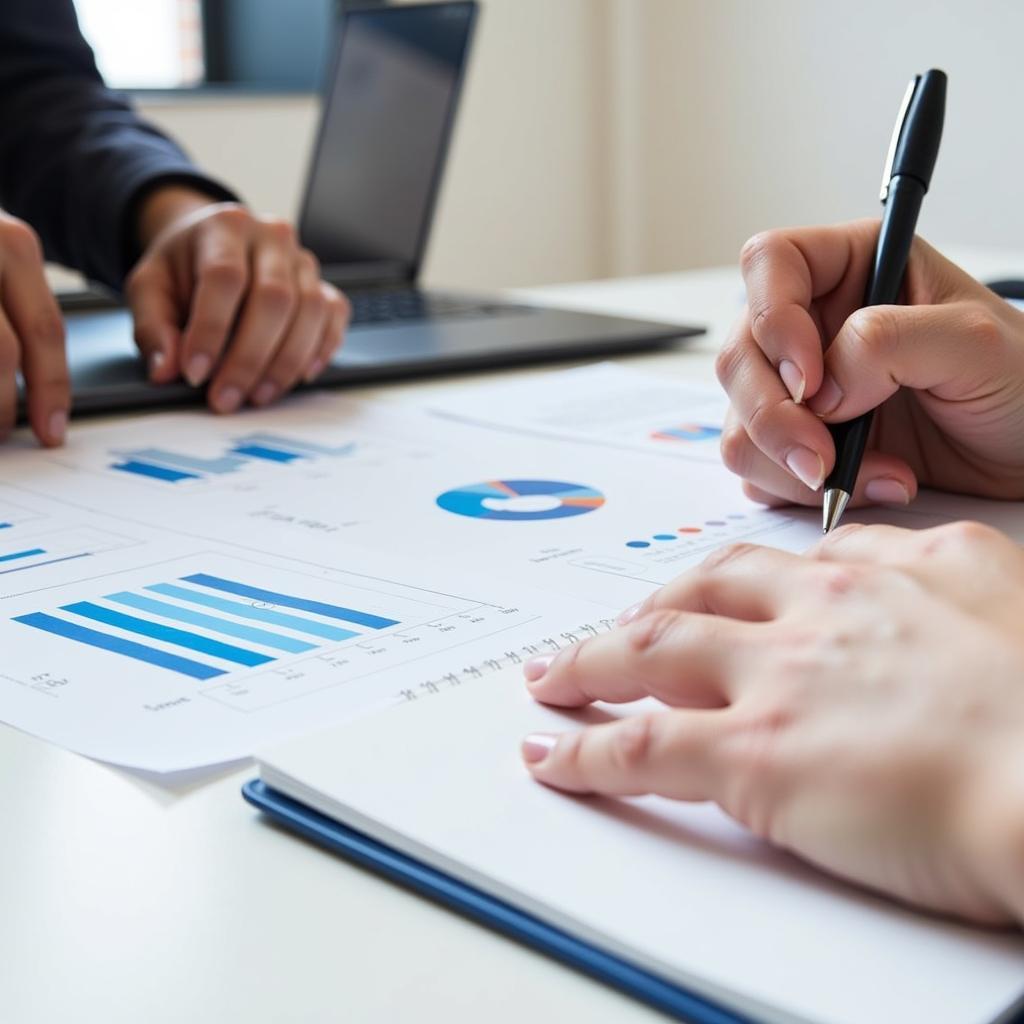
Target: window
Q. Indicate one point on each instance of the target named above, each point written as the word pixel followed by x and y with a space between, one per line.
pixel 187 44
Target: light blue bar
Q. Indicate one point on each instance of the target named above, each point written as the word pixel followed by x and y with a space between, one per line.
pixel 22 554
pixel 171 476
pixel 169 634
pixel 293 444
pixel 247 611
pixel 256 451
pixel 302 604
pixel 224 464
pixel 212 622
pixel 118 645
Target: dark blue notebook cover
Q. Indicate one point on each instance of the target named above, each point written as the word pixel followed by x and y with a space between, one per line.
pixel 488 910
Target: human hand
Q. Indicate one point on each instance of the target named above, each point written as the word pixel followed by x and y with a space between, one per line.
pixel 220 294
pixel 862 706
pixel 31 338
pixel 946 372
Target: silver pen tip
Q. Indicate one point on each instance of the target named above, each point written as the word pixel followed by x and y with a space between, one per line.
pixel 836 501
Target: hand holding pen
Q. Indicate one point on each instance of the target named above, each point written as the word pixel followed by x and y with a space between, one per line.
pixel 944 372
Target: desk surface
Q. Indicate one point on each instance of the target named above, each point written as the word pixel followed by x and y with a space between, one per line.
pixel 122 901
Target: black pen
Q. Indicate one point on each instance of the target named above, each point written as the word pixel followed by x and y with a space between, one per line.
pixel 908 172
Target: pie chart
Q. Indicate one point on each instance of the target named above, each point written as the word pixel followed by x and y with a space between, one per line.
pixel 521 500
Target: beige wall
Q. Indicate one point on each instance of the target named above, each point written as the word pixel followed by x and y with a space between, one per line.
pixel 625 136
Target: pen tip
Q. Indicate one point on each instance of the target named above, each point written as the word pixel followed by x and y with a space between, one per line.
pixel 836 501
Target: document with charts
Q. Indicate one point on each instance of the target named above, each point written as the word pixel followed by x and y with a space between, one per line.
pixel 182 594
pixel 606 404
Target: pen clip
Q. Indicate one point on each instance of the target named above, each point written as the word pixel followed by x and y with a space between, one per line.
pixel 894 142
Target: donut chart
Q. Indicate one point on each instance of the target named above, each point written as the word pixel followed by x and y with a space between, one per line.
pixel 687 432
pixel 521 500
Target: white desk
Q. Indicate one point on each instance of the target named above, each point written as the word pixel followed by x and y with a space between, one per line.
pixel 122 902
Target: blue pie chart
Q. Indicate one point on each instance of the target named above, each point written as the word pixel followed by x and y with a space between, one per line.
pixel 521 500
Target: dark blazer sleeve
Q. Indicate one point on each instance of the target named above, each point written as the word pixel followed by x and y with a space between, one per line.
pixel 75 158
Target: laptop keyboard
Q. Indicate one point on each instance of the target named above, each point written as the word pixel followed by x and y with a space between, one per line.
pixel 380 307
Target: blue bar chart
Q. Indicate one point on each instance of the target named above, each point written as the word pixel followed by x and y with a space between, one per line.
pixel 189 626
pixel 168 466
pixel 18 553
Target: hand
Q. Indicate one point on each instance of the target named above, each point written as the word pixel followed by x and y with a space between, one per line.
pixel 862 706
pixel 31 337
pixel 223 295
pixel 946 371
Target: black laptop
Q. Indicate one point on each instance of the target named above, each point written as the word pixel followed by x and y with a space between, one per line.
pixel 388 114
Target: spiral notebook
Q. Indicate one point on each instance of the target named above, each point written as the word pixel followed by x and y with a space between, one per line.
pixel 673 903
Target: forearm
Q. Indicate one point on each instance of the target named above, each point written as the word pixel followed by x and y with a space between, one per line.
pixel 74 156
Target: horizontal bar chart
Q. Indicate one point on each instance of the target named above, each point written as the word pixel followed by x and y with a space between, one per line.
pixel 28 553
pixel 168 466
pixel 201 625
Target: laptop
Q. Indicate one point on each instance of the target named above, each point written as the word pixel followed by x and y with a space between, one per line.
pixel 388 113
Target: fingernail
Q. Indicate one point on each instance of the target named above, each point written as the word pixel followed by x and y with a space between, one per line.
pixel 265 393
pixel 314 371
pixel 537 746
pixel 537 667
pixel 806 466
pixel 156 363
pixel 58 426
pixel 793 379
pixel 629 614
pixel 197 368
pixel 826 398
pixel 887 491
pixel 228 399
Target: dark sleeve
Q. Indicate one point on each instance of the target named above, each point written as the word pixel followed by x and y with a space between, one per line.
pixel 75 158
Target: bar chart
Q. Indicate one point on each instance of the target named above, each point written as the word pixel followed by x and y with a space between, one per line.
pixel 169 466
pixel 125 623
pixel 19 552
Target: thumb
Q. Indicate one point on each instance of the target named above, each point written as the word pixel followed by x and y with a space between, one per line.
pixel 956 351
pixel 157 317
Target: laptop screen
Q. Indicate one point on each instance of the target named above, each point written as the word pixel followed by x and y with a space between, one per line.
pixel 383 137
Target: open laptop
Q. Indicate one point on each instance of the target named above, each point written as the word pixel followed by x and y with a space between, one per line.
pixel 388 114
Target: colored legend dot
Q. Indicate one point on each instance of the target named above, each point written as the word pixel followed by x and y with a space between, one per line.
pixel 664 536
pixel 638 543
pixel 716 522
pixel 690 529
pixel 735 515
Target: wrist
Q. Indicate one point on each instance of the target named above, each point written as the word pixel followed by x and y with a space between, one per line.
pixel 166 205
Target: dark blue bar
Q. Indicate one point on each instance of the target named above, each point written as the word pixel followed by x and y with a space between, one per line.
pixel 4 526
pixel 258 451
pixel 156 472
pixel 115 644
pixel 156 631
pixel 302 604
pixel 22 554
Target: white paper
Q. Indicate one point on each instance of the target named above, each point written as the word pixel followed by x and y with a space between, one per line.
pixel 607 404
pixel 678 889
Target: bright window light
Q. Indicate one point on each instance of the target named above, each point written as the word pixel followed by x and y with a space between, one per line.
pixel 145 44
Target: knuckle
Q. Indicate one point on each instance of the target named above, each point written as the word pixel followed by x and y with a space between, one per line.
pixel 45 327
pixel 233 216
pixel 20 240
pixel 726 555
pixel 313 301
pixel 631 743
pixel 835 580
pixel 225 273
pixel 280 230
pixel 982 326
pixel 965 533
pixel 736 449
pixel 309 262
pixel 275 296
pixel 872 330
pixel 837 538
pixel 759 421
pixel 647 633
pixel 728 362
